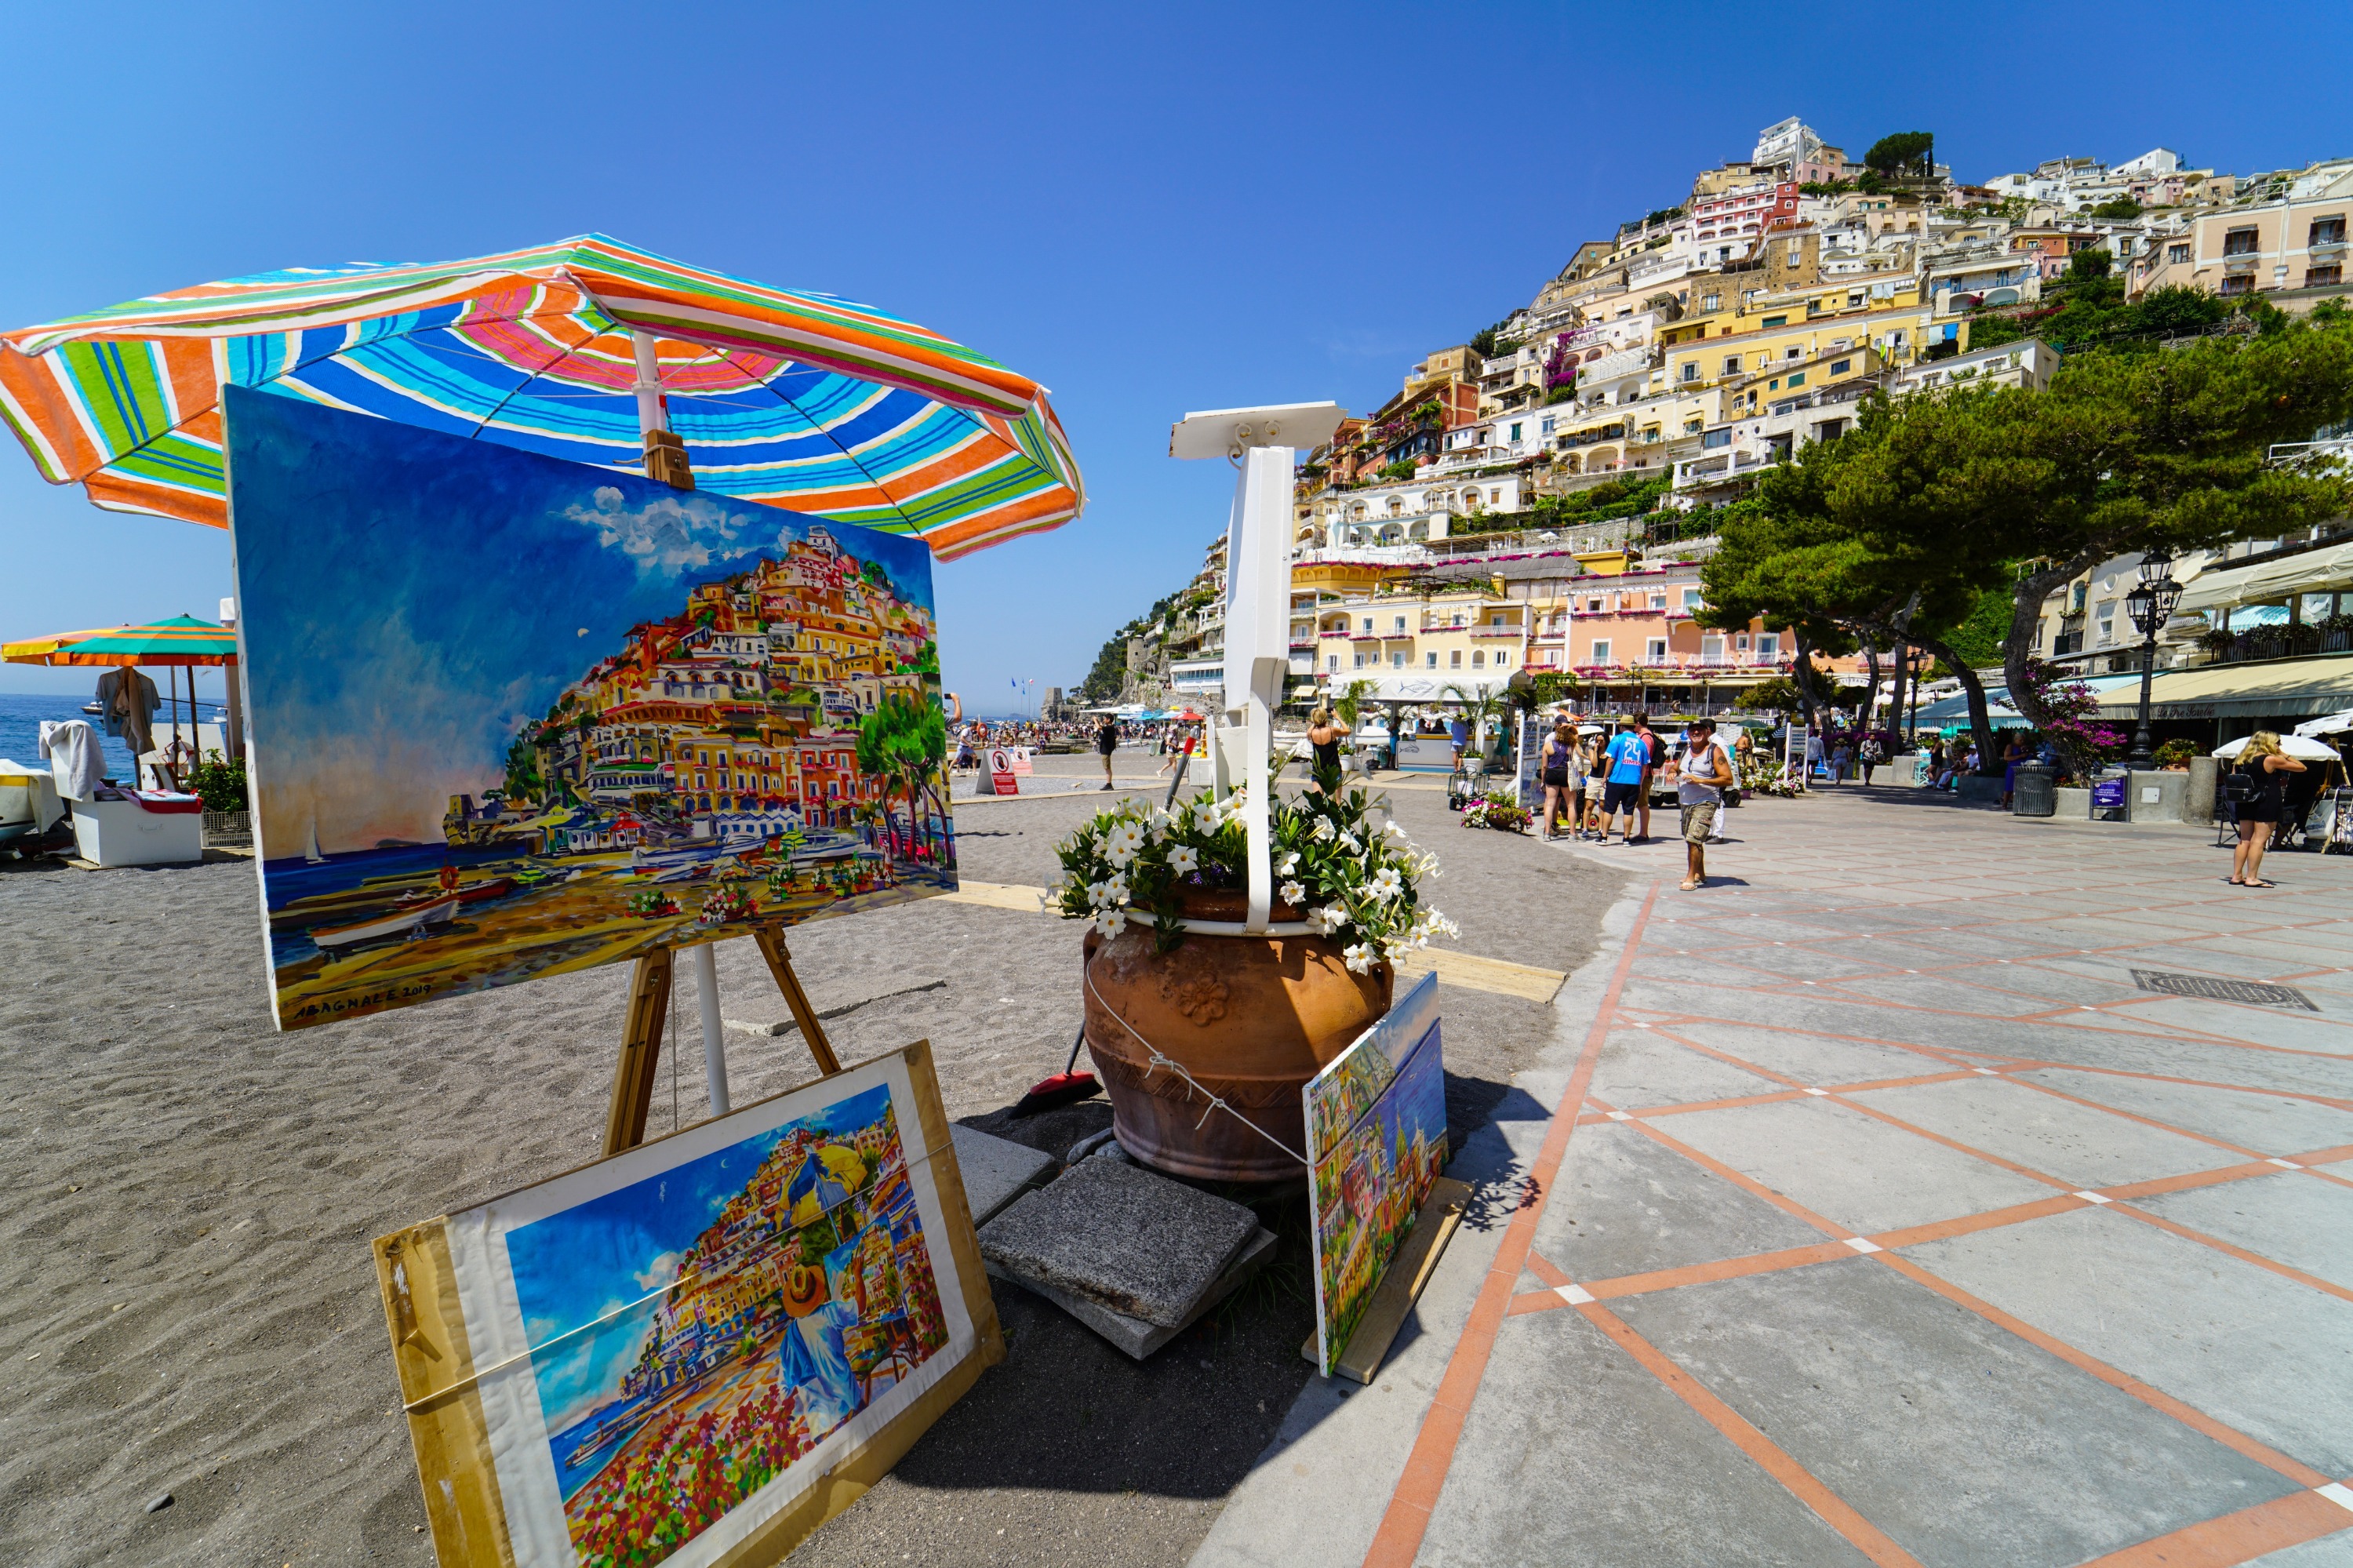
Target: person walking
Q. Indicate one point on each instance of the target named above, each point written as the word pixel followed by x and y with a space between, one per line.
pixel 2011 756
pixel 2260 764
pixel 1702 772
pixel 1653 753
pixel 1629 767
pixel 1559 762
pixel 1871 753
pixel 1107 742
pixel 1325 734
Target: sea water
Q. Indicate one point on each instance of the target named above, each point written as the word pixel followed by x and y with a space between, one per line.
pixel 21 714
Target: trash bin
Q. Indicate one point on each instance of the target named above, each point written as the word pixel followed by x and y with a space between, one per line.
pixel 2108 796
pixel 2036 793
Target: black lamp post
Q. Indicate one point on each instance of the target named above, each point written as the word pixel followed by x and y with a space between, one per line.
pixel 2151 605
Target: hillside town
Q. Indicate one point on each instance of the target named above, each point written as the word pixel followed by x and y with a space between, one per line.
pixel 736 720
pixel 1543 496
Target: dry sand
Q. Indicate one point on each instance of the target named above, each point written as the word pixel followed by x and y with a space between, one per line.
pixel 186 1300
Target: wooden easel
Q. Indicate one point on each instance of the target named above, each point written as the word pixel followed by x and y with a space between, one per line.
pixel 641 1031
pixel 641 1034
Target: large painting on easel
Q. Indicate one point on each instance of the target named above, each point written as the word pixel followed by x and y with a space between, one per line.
pixel 513 716
pixel 1376 1128
pixel 696 1350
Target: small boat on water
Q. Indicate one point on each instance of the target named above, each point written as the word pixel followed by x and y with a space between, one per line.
pixel 465 893
pixel 404 922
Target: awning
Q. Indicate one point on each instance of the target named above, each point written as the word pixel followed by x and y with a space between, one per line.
pixel 1955 709
pixel 1433 688
pixel 2313 571
pixel 2285 689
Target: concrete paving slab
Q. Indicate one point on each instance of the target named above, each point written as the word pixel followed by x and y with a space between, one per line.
pixel 1811 1058
pixel 1855 1172
pixel 2275 1026
pixel 2289 1218
pixel 1120 1235
pixel 2328 1551
pixel 1638 1069
pixel 1624 1204
pixel 1870 1379
pixel 996 1171
pixel 2082 1147
pixel 2266 1355
pixel 2275 1123
pixel 1942 993
pixel 1642 1478
pixel 2200 1061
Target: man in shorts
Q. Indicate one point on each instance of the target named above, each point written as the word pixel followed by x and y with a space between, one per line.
pixel 1106 742
pixel 1627 763
pixel 1703 774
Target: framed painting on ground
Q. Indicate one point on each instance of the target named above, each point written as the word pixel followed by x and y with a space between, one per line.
pixel 698 1350
pixel 1376 1141
pixel 514 716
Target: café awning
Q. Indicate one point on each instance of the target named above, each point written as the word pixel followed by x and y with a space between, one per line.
pixel 2285 689
pixel 2268 582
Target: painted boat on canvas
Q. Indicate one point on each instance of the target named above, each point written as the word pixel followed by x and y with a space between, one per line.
pixel 398 923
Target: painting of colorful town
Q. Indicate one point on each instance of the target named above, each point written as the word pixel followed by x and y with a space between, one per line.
pixel 1376 1128
pixel 696 1334
pixel 515 717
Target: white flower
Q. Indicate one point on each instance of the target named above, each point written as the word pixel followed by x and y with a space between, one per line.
pixel 1361 957
pixel 1395 950
pixel 1157 824
pixel 1112 922
pixel 1387 882
pixel 1330 918
pixel 1115 890
pixel 1395 831
pixel 1095 893
pixel 1288 865
pixel 1293 893
pixel 1433 923
pixel 1350 842
pixel 1182 860
pixel 1324 829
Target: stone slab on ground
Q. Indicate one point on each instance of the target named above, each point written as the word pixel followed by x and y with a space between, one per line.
pixel 1134 1335
pixel 997 1170
pixel 1121 1237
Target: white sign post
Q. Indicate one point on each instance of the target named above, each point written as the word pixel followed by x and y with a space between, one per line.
pixel 1259 442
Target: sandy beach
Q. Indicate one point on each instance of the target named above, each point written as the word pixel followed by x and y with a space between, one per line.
pixel 187 1301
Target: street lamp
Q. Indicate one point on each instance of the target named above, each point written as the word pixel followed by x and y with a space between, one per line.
pixel 2151 605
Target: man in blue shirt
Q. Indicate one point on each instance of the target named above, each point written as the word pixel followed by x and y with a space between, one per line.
pixel 1628 760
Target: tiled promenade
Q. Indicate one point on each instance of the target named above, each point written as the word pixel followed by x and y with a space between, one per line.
pixel 1886 1218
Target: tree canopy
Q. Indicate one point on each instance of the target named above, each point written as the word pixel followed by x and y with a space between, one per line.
pixel 1904 152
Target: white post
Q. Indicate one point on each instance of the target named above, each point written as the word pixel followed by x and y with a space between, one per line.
pixel 1258 604
pixel 714 1039
pixel 648 388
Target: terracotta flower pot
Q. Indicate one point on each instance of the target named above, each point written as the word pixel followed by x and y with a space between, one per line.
pixel 1250 1018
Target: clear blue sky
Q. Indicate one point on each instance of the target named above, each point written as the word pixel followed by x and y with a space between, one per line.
pixel 1151 209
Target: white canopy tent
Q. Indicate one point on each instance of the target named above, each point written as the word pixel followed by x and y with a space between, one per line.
pixel 2327 724
pixel 2302 748
pixel 2266 582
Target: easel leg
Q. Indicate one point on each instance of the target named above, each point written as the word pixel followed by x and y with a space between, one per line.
pixel 641 1040
pixel 771 940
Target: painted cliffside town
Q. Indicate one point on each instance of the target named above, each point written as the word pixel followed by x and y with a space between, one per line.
pixel 1541 496
pixel 735 721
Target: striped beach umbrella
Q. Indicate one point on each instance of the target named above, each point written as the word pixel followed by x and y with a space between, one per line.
pixel 183 642
pixel 800 399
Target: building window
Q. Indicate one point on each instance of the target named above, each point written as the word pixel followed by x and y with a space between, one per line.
pixel 1711 302
pixel 1360 661
pixel 2239 242
pixel 1454 660
pixel 1397 660
pixel 1601 651
pixel 1478 658
pixel 1691 598
pixel 1515 432
pixel 1731 365
pixel 1593 607
pixel 1429 661
pixel 1768 645
pixel 1400 623
pixel 2324 277
pixel 1775 321
pixel 1797 380
pixel 2243 285
pixel 1658 651
pixel 1839 368
pixel 1855 302
pixel 2328 230
pixel 1716 439
pixel 1368 623
pixel 2177 255
pixel 1658 601
pixel 1691 370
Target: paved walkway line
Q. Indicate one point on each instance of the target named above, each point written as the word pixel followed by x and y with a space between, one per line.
pixel 2236 1538
pixel 1407 1518
pixel 1469 970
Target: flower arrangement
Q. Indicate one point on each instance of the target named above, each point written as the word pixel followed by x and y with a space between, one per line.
pixel 728 901
pixel 1498 811
pixel 651 904
pixel 1339 871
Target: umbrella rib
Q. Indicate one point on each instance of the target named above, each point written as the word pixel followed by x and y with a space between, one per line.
pixel 768 385
pixel 484 422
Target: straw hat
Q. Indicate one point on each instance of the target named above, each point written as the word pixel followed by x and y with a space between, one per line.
pixel 804 1290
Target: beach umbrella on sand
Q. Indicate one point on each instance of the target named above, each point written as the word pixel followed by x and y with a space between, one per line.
pixel 577 350
pixel 183 642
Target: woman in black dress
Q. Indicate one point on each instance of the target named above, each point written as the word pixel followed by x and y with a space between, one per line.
pixel 1325 734
pixel 2264 763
